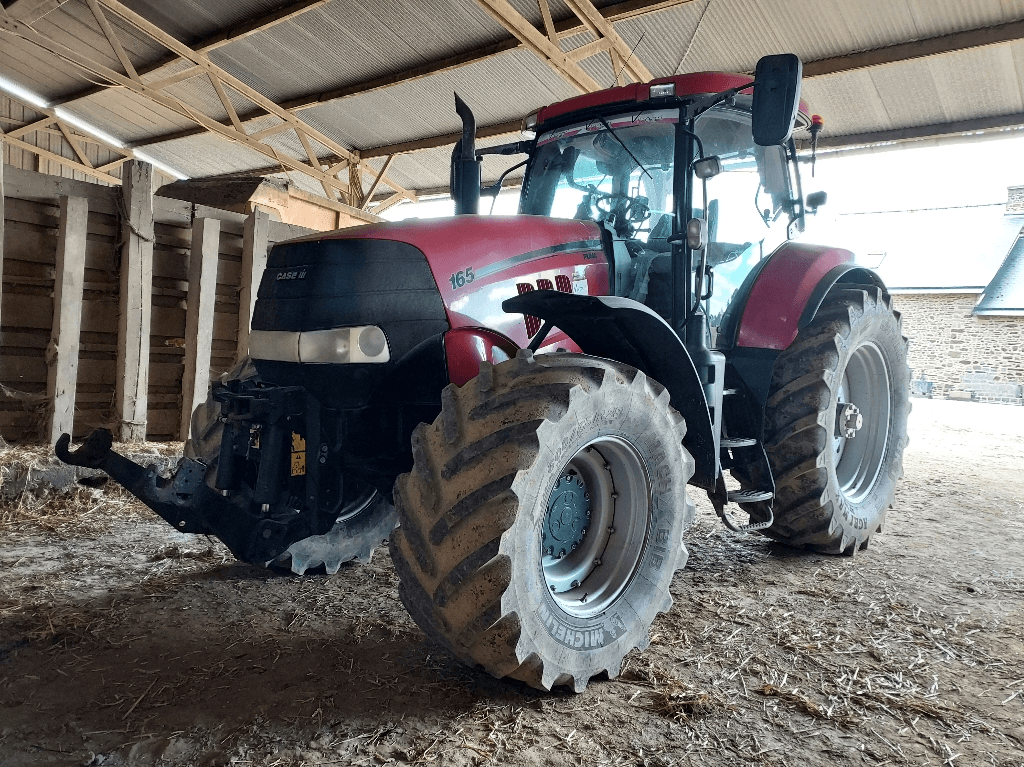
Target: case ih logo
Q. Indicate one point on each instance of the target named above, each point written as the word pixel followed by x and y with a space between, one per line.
pixel 293 274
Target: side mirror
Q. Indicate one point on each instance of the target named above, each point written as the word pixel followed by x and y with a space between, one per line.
pixel 815 200
pixel 776 98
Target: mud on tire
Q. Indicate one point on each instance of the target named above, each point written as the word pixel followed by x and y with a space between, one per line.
pixel 832 493
pixel 360 529
pixel 498 484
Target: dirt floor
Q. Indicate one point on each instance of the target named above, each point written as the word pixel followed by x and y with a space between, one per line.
pixel 123 642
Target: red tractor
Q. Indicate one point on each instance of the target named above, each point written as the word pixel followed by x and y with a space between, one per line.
pixel 528 397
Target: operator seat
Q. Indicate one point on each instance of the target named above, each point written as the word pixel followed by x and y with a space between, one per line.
pixel 652 280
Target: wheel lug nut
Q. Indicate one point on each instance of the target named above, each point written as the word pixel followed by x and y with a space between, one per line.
pixel 583 531
pixel 573 547
pixel 575 584
pixel 597 563
pixel 611 529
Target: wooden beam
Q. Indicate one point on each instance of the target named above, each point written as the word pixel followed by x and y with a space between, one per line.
pixel 446 139
pixel 2 199
pixel 255 239
pixel 69 279
pixel 177 105
pixel 108 32
pixel 565 28
pixel 388 202
pixel 936 130
pixel 30 11
pixel 211 42
pixel 94 172
pixel 131 395
pixel 202 292
pixel 533 40
pixel 600 27
pixel 933 46
pixel 377 180
pixel 432 142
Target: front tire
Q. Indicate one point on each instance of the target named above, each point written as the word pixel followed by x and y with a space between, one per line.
pixel 542 522
pixel 833 490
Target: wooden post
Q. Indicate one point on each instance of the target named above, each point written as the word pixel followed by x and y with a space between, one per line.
pixel 62 353
pixel 1 232
pixel 255 239
pixel 202 292
pixel 131 381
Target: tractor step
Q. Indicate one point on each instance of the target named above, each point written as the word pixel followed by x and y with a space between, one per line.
pixel 738 442
pixel 750 496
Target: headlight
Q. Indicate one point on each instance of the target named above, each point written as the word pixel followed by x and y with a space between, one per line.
pixel 365 343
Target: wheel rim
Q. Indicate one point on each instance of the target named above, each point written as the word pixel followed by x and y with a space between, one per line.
pixel 598 514
pixel 365 495
pixel 859 459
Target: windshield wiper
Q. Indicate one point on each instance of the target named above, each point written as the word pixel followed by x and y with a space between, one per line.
pixel 616 137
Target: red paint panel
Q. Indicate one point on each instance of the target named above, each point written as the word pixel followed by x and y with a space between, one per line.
pixel 781 293
pixel 466 348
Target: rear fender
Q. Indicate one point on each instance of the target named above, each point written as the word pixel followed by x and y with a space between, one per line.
pixel 794 277
pixel 627 331
pixel 783 297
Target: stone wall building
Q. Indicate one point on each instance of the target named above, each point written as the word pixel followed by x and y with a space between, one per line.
pixel 957 354
pixel 957 277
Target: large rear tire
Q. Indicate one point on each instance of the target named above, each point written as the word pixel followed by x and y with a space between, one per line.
pixel 363 523
pixel 542 522
pixel 833 490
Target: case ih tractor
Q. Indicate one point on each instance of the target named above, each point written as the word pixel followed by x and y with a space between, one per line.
pixel 528 397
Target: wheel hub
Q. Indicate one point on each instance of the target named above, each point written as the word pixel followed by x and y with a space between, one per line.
pixel 848 420
pixel 595 528
pixel 568 512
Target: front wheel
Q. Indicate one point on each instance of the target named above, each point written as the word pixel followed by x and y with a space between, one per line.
pixel 542 522
pixel 836 423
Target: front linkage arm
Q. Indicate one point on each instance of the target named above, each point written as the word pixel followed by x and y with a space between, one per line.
pixel 188 504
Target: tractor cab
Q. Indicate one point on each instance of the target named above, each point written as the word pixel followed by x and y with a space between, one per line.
pixel 670 160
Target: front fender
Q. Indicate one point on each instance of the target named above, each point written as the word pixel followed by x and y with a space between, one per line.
pixel 627 331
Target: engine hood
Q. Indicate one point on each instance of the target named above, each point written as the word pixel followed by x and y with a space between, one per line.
pixel 486 244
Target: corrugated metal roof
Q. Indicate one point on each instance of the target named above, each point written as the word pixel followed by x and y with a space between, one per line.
pixel 1005 293
pixel 346 42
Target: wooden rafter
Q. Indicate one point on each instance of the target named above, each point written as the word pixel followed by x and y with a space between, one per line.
pixel 376 181
pixel 549 50
pixel 235 132
pixel 212 42
pixel 627 9
pixel 72 136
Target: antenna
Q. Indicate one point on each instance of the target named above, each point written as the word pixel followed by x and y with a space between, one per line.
pixel 619 74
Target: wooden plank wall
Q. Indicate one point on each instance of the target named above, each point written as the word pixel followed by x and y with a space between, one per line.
pixel 31 213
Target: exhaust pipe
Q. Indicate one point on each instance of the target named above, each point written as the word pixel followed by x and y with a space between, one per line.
pixel 464 182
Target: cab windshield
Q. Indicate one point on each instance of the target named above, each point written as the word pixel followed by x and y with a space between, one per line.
pixel 616 169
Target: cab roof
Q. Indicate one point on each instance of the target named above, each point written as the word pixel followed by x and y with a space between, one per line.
pixel 692 84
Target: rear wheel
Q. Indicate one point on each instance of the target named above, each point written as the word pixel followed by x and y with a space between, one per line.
pixel 542 521
pixel 836 423
pixel 365 520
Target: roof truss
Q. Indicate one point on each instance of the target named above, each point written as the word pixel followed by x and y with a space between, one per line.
pixel 220 80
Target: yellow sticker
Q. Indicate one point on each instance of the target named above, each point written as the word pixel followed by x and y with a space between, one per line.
pixel 298 464
pixel 298 443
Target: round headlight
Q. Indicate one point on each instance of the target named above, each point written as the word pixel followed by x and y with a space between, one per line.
pixel 372 341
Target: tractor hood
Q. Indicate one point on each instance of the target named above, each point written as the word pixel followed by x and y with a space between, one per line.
pixel 492 248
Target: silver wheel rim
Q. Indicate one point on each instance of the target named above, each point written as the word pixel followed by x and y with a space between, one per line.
pixel 858 460
pixel 589 578
pixel 367 495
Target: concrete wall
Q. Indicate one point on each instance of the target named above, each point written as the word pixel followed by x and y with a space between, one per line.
pixel 960 355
